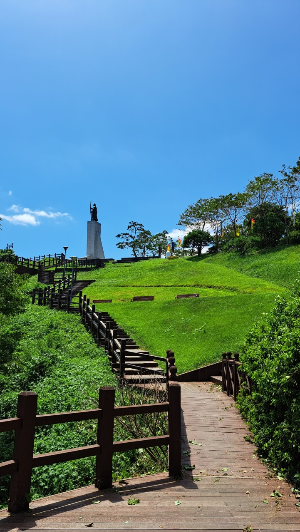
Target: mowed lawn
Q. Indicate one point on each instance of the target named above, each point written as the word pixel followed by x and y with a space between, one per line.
pixel 198 330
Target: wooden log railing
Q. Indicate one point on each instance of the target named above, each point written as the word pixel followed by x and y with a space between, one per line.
pixel 106 334
pixel 232 375
pixel 23 459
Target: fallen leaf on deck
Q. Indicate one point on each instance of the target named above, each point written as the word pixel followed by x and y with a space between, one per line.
pixel 132 502
pixel 275 493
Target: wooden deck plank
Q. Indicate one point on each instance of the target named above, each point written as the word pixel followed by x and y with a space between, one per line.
pixel 225 491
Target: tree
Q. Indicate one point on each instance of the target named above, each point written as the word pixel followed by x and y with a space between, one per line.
pixel 266 221
pixel 262 189
pixel 137 238
pixel 158 243
pixel 196 239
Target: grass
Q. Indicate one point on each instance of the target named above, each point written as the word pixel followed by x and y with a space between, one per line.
pixel 233 291
pixel 57 358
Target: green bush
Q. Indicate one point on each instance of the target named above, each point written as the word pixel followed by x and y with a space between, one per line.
pixel 12 297
pixel 271 360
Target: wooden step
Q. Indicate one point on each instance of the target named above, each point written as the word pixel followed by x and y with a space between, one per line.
pixel 139 379
pixel 217 379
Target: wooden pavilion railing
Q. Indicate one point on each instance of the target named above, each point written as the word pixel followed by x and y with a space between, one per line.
pixel 23 460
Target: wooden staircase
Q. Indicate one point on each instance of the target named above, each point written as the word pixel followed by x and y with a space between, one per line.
pixel 139 366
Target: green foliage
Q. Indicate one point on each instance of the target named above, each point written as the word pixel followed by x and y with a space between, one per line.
pixel 141 242
pixel 271 360
pixel 8 255
pixel 271 201
pixel 196 239
pixel 12 297
pixel 269 223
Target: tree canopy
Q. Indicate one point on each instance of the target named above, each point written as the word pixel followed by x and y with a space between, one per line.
pixel 263 215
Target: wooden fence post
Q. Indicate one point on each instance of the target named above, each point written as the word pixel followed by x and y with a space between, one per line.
pixel 122 358
pixel 23 453
pixel 105 438
pixel 80 302
pixel 229 367
pixel 97 328
pixel 236 377
pixel 174 429
pixel 40 296
pixel 52 295
pixel 224 373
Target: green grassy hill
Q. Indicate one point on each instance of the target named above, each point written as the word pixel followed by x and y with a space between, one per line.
pixel 233 292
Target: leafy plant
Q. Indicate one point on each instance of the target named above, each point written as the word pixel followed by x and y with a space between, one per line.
pixel 271 361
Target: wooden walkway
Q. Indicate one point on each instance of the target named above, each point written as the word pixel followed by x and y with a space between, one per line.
pixel 228 488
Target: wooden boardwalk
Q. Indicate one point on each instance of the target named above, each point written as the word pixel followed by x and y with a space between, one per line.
pixel 228 488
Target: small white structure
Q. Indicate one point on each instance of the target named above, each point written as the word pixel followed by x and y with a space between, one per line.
pixel 94 249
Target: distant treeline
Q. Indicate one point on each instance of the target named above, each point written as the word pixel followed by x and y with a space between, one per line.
pixel 265 214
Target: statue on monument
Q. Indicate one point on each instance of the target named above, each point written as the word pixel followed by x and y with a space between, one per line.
pixel 93 211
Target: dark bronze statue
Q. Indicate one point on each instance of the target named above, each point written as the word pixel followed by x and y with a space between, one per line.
pixel 93 211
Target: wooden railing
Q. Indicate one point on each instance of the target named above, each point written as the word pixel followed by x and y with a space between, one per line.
pixel 55 295
pixel 232 375
pixel 116 347
pixel 41 261
pixel 23 460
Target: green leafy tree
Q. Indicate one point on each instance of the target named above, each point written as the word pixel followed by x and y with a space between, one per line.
pixel 266 221
pixel 135 238
pixel 262 189
pixel 196 239
pixel 158 243
pixel 232 207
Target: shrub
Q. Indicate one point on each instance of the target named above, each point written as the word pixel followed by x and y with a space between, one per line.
pixel 271 360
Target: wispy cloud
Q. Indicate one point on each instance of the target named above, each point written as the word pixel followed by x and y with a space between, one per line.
pixel 44 214
pixel 10 192
pixel 25 216
pixel 20 219
pixel 14 208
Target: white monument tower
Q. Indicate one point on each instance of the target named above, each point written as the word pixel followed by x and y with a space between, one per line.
pixel 94 249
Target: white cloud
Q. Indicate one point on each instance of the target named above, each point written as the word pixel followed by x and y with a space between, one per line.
pixel 178 233
pixel 27 216
pixel 14 208
pixel 44 214
pixel 20 219
pixel 10 192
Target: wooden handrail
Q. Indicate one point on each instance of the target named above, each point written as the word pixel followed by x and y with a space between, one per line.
pixel 66 417
pixel 231 376
pixel 10 424
pixel 23 459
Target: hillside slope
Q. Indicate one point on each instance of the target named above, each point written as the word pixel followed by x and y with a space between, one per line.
pixel 233 292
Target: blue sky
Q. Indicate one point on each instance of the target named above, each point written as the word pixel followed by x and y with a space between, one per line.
pixel 142 106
